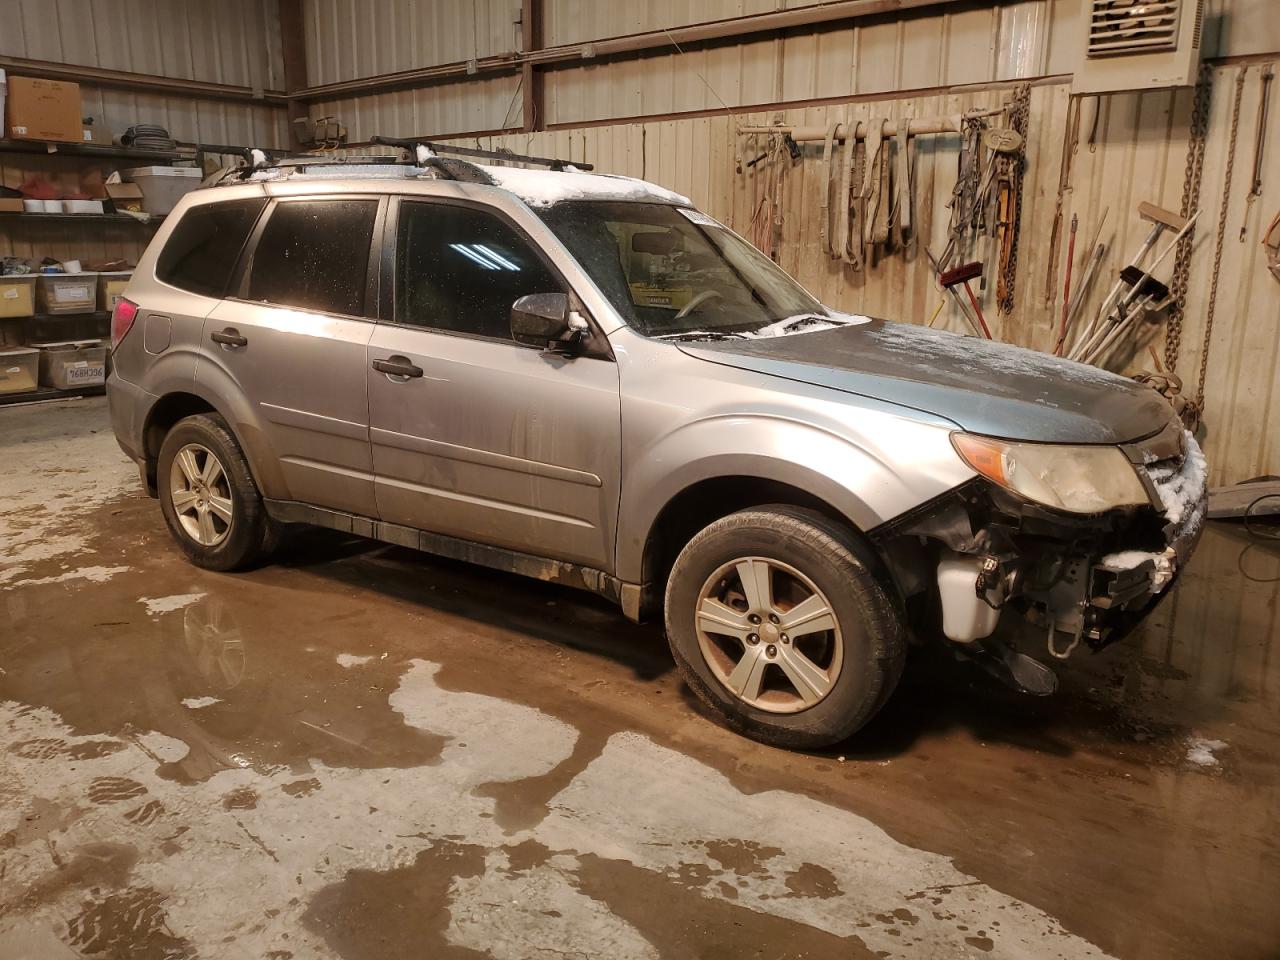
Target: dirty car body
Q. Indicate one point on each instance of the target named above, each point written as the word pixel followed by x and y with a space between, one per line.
pixel 642 376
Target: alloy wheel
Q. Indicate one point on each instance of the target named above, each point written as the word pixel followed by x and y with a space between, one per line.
pixel 769 635
pixel 201 495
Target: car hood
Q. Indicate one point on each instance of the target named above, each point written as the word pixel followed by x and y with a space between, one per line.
pixel 983 386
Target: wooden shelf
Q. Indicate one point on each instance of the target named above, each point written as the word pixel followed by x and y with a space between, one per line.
pixel 31 218
pixel 101 151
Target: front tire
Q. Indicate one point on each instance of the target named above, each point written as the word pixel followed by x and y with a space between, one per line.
pixel 782 622
pixel 209 498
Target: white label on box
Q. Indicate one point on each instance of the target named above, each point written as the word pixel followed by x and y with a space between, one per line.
pixel 19 129
pixel 11 293
pixel 84 372
pixel 72 292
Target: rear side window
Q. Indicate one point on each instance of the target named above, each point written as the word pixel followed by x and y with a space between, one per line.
pixel 203 248
pixel 314 254
pixel 462 269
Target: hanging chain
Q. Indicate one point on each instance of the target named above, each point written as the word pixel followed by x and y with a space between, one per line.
pixel 1220 237
pixel 1190 201
pixel 1011 169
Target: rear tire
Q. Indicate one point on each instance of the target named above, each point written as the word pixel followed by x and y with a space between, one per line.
pixel 209 498
pixel 808 654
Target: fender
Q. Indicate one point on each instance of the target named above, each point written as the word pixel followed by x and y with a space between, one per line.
pixel 214 387
pixel 868 482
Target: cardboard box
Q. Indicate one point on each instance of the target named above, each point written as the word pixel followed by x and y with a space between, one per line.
pixel 111 288
pixel 97 133
pixel 19 369
pixel 11 205
pixel 72 364
pixel 44 110
pixel 125 196
pixel 67 292
pixel 18 295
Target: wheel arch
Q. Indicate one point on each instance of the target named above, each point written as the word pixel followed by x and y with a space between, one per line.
pixel 704 501
pixel 188 401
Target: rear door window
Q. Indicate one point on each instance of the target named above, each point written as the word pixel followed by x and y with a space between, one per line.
pixel 461 269
pixel 314 255
pixel 201 253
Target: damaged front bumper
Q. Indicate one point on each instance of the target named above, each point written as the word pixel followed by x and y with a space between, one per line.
pixel 1083 579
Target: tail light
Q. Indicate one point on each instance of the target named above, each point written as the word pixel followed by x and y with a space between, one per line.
pixel 122 317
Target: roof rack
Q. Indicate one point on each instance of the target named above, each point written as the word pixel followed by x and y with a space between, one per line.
pixel 411 145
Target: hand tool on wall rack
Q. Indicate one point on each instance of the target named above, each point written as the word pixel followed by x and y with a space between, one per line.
pixel 825 229
pixel 1259 142
pixel 962 275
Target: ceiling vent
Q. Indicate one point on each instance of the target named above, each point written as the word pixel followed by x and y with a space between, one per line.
pixel 1139 45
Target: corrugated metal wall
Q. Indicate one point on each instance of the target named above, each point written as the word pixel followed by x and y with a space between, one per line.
pixel 1138 153
pixel 232 41
pixel 235 42
pixel 923 50
pixel 349 39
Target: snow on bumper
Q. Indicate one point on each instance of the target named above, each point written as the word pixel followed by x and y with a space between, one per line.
pixel 1183 493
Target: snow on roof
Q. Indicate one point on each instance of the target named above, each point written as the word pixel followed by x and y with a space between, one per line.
pixel 541 188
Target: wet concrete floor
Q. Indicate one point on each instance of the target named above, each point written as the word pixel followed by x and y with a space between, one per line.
pixel 363 752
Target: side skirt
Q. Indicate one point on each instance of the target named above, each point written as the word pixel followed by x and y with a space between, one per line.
pixel 626 595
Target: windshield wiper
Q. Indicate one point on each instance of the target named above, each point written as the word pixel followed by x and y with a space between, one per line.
pixel 701 335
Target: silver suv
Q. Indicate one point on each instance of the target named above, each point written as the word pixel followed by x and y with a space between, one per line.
pixel 583 379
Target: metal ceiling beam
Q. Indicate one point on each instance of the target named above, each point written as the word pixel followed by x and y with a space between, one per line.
pixel 743 28
pixel 141 82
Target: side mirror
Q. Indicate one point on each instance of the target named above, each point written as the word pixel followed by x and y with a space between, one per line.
pixel 544 320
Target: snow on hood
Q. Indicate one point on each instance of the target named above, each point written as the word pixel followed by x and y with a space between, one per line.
pixel 542 188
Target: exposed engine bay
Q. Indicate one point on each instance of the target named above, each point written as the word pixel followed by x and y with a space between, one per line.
pixel 1083 578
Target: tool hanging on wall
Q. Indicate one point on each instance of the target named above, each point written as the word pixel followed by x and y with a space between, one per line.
pixel 1219 237
pixel 1259 142
pixel 870 168
pixel 1011 166
pixel 1191 180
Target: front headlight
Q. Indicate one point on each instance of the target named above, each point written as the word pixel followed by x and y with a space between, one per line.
pixel 1078 479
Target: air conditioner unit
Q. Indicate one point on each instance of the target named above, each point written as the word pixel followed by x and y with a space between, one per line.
pixel 1139 45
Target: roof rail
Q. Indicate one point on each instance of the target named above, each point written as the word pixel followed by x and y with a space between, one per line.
pixel 411 145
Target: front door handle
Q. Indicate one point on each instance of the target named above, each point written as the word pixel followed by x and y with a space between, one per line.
pixel 229 337
pixel 398 368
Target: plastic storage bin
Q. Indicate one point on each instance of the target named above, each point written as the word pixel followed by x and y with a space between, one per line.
pixel 162 187
pixel 18 295
pixel 72 364
pixel 67 292
pixel 111 286
pixel 19 369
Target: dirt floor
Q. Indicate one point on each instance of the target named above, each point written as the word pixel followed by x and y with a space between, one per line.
pixel 363 752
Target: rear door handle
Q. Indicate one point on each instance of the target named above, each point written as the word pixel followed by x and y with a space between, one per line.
pixel 398 367
pixel 229 337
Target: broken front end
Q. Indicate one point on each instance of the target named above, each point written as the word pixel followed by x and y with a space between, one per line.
pixel 1082 541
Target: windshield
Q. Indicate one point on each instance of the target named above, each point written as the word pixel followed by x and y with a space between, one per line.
pixel 673 272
